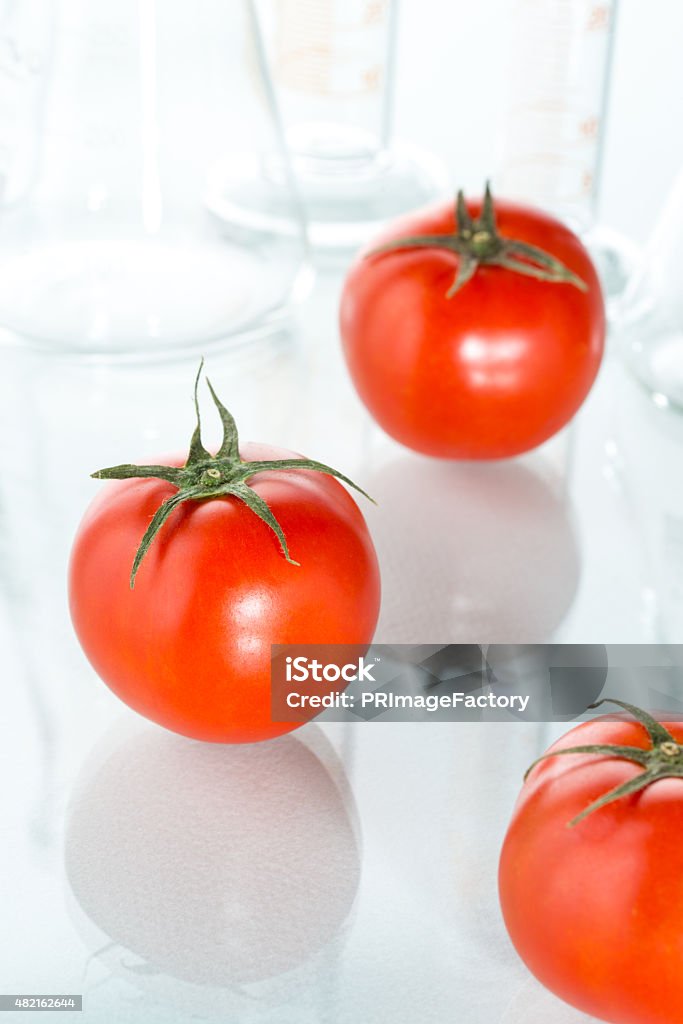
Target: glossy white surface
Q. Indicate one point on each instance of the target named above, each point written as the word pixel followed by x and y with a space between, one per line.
pixel 345 874
pixel 295 886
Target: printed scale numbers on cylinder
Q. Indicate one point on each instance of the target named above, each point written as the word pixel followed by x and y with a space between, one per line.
pixel 557 89
pixel 333 69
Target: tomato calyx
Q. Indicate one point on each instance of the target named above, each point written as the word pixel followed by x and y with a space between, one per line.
pixel 205 476
pixel 663 760
pixel 477 242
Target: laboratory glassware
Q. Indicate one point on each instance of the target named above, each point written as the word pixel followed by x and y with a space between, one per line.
pixel 333 68
pixel 650 323
pixel 113 251
pixel 557 98
pixel 26 39
pixel 650 441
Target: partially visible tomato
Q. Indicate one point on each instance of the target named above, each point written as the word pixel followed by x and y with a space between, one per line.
pixel 594 906
pixel 190 645
pixel 490 371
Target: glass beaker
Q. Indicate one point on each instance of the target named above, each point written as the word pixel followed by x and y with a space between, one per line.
pixel 113 250
pixel 557 93
pixel 333 70
pixel 650 323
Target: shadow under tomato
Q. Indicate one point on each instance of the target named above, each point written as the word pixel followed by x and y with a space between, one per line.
pixel 472 552
pixel 216 865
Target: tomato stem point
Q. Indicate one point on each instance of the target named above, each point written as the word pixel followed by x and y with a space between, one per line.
pixel 478 242
pixel 206 477
pixel 663 759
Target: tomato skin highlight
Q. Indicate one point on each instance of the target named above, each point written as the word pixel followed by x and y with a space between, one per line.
pixel 489 373
pixel 595 910
pixel 189 646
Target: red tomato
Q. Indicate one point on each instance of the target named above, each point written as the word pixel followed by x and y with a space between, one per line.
pixel 189 646
pixel 595 909
pixel 492 371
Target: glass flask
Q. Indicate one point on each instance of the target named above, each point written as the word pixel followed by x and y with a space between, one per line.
pixel 555 117
pixel 333 64
pixel 650 323
pixel 112 250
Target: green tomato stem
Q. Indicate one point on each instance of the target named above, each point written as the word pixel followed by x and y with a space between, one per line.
pixel 478 243
pixel 662 760
pixel 205 477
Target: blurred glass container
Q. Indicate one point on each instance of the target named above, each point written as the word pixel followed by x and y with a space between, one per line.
pixel 333 64
pixel 650 444
pixel 113 250
pixel 26 36
pixel 556 108
pixel 651 314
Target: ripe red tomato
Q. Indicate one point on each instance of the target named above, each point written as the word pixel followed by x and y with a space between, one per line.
pixel 489 372
pixel 189 646
pixel 595 908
